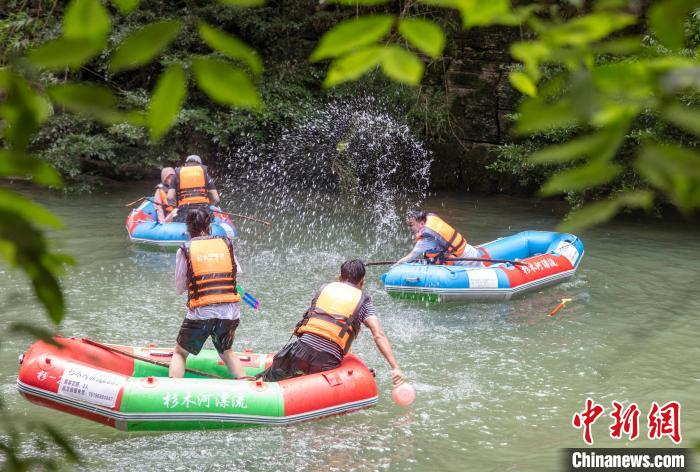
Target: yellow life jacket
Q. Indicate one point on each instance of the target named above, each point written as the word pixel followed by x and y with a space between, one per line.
pixel 334 315
pixel 191 185
pixel 448 238
pixel 163 191
pixel 211 272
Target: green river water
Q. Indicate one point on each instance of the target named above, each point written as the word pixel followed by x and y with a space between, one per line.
pixel 497 383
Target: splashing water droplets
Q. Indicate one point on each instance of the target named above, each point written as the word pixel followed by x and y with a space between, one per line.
pixel 351 163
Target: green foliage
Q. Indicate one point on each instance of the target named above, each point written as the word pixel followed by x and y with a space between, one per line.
pixel 225 84
pixel 424 35
pixel 142 46
pixel 168 96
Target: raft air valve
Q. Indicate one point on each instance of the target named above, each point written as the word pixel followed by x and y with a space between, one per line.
pixel 21 358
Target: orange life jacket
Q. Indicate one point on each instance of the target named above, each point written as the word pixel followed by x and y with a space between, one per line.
pixel 167 208
pixel 447 237
pixel 192 185
pixel 334 315
pixel 211 272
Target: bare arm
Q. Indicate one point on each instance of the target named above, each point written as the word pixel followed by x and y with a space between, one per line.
pixel 214 196
pixel 159 207
pixel 384 347
pixel 171 197
pixel 180 272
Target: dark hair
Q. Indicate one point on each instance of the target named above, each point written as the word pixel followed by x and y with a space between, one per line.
pixel 352 271
pixel 198 221
pixel 418 215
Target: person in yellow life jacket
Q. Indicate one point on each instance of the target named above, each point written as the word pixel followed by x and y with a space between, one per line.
pixel 206 268
pixel 163 209
pixel 191 188
pixel 435 237
pixel 329 327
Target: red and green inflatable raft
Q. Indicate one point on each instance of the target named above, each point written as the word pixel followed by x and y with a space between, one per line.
pixel 81 378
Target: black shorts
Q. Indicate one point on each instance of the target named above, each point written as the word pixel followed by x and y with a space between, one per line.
pixel 183 210
pixel 296 359
pixel 193 334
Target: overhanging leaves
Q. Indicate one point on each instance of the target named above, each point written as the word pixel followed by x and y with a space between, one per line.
pixel 225 84
pixel 666 21
pixel 86 19
pixel 352 34
pixel 127 6
pixel 424 35
pixel 352 66
pixel 231 46
pixel 142 46
pixel 580 178
pixel 600 212
pixel 402 65
pixel 166 100
pixel 61 53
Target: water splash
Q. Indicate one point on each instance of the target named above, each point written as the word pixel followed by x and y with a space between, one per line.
pixel 342 178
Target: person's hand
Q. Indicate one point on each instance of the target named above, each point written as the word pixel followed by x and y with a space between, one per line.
pixel 396 377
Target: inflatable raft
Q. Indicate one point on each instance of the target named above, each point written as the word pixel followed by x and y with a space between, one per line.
pixel 143 227
pixel 89 380
pixel 549 258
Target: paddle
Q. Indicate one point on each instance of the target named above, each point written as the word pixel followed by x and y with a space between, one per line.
pixel 136 201
pixel 373 263
pixel 145 359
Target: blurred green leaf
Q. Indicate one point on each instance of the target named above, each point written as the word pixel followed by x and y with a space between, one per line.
pixel 231 47
pixel 523 83
pixel 352 66
pixel 167 98
pixel 619 46
pixel 483 13
pixel 586 29
pixel 225 84
pixel 15 164
pixel 579 178
pixel 243 3
pixel 86 19
pixel 127 6
pixel 424 35
pixel 684 117
pixel 402 65
pixel 352 34
pixel 23 110
pixel 61 53
pixel 28 210
pixel 142 46
pixel 92 100
pixel 31 252
pixel 531 54
pixel 673 170
pixel 537 116
pixel 600 212
pixel 666 20
pixel 610 4
pixel 601 145
pixel 35 331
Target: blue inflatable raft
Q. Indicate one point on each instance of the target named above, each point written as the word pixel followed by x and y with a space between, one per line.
pixel 143 227
pixel 548 257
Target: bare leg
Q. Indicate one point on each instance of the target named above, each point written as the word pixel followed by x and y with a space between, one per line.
pixel 233 363
pixel 177 363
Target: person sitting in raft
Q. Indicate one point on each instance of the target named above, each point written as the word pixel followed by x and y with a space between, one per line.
pixel 213 304
pixel 434 237
pixel 329 327
pixel 192 188
pixel 160 199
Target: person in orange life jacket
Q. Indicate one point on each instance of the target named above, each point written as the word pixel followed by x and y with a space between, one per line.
pixel 192 187
pixel 213 304
pixel 329 327
pixel 435 237
pixel 163 209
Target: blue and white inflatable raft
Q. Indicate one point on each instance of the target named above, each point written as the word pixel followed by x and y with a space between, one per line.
pixel 143 227
pixel 550 258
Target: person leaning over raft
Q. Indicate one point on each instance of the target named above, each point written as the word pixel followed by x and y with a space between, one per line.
pixel 160 199
pixel 329 327
pixel 213 304
pixel 192 187
pixel 434 236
